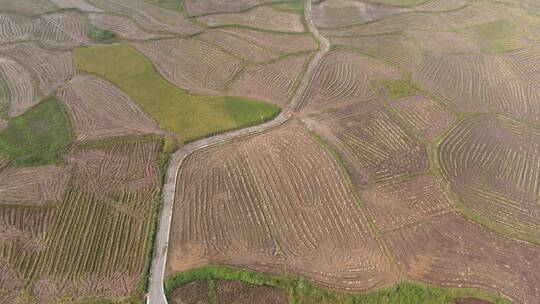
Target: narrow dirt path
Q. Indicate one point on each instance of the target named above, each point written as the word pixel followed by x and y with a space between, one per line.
pixel 156 294
pixel 324 46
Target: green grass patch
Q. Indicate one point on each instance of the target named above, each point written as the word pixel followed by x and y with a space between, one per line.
pixel 38 137
pixel 101 35
pixel 302 291
pixel 4 100
pixel 400 88
pixel 497 36
pixel 175 5
pixel 189 116
pixel 293 6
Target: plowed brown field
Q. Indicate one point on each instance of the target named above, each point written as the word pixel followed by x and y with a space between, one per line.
pixel 276 202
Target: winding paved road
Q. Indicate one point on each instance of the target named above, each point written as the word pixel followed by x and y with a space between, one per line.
pixel 324 46
pixel 156 293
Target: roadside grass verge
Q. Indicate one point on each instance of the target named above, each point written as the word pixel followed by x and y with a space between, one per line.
pixel 38 137
pixel 189 116
pixel 302 291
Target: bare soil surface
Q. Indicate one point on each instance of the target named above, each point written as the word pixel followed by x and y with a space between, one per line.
pixel 192 293
pixel 236 292
pixel 236 212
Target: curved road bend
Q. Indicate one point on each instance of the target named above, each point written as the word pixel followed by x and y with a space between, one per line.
pixel 324 46
pixel 156 294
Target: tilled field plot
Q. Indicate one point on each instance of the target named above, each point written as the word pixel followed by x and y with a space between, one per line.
pixel 50 68
pixel 426 116
pixel 434 244
pixel 98 109
pixel 475 83
pixel 273 82
pixel 448 250
pixel 343 78
pixel 260 17
pixel 93 242
pixel 275 202
pixel 493 164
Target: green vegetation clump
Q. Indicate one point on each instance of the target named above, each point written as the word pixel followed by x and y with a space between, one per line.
pixel 101 35
pixel 302 291
pixel 4 100
pixel 189 116
pixel 498 36
pixel 400 88
pixel 175 5
pixel 38 137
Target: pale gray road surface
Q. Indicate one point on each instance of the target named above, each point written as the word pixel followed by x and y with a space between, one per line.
pixel 156 293
pixel 324 46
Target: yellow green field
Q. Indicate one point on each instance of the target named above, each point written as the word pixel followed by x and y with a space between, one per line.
pixel 189 116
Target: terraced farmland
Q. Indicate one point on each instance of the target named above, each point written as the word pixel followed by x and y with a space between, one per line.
pixel 336 151
pixel 492 163
pixel 238 212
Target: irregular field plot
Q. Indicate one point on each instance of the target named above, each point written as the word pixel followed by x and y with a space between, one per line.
pixel 426 116
pixel 392 48
pixel 275 202
pixel 193 64
pixel 474 83
pixel 434 244
pixel 273 81
pixel 32 186
pixel 341 13
pixel 374 145
pixel 150 17
pixel 493 165
pixel 98 109
pixel 18 87
pixel 204 7
pixel 40 136
pixel 262 17
pixel 449 251
pixel 190 116
pixel 205 282
pixel 343 78
pixel 94 242
pixel 50 68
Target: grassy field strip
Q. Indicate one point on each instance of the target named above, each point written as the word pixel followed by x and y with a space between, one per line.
pixel 189 116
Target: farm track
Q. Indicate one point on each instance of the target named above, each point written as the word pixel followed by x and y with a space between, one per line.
pixel 324 46
pixel 156 293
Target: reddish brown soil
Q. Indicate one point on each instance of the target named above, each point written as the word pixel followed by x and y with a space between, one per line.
pixel 236 292
pixel 492 163
pixel 238 212
pixel 192 293
pixel 98 109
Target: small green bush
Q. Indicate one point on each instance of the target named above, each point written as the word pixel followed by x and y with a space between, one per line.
pixel 101 35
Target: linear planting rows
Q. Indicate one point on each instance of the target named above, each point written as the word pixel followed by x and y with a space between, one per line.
pixel 276 202
pixel 94 242
pixel 479 83
pixel 98 109
pixel 343 78
pixel 426 116
pixel 494 165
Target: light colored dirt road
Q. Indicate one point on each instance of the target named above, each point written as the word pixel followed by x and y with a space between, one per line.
pixel 156 293
pixel 324 46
